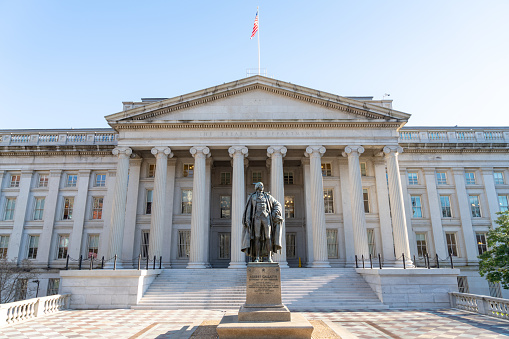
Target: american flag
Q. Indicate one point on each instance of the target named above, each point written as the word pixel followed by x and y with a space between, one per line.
pixel 255 27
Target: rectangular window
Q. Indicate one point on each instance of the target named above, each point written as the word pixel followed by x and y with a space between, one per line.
pixel 39 208
pixel 100 180
pixel 188 170
pixel 43 180
pixel 63 245
pixel 363 169
pixel 97 208
pixel 502 202
pixel 151 170
pixel 475 207
pixel 445 204
pixel 412 178
pixel 291 239
pixel 482 245
pixel 422 249
pixel 416 206
pixel 470 178
pixel 371 242
pixel 68 206
pixel 365 198
pixel 10 205
pixel 187 201
pixel 33 245
pixel 256 177
pixel 326 169
pixel 15 178
pixel 93 245
pixel 4 245
pixel 226 178
pixel 72 180
pixel 452 247
pixel 224 245
pixel 184 244
pixel 226 203
pixel 289 207
pixel 328 200
pixel 145 236
pixel 462 284
pixel 53 285
pixel 148 203
pixel 495 290
pixel 441 178
pixel 499 178
pixel 332 243
pixel 288 178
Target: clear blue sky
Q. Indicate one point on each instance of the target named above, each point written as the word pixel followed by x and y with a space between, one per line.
pixel 69 63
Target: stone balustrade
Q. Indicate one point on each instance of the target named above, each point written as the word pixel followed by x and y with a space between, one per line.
pixel 18 311
pixel 453 135
pixel 482 304
pixel 58 138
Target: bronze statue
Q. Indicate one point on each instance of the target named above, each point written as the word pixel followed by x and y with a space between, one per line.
pixel 262 219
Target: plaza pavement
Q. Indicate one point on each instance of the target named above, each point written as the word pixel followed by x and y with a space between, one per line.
pixel 186 324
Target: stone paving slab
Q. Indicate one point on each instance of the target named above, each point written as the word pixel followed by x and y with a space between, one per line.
pixel 200 324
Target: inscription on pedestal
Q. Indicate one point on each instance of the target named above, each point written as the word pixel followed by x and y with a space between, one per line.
pixel 263 287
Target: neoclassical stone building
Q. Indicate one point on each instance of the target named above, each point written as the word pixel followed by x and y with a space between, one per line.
pixel 171 176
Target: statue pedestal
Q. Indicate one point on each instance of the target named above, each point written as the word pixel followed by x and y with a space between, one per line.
pixel 264 315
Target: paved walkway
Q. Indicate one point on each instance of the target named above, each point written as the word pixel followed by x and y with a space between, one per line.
pixel 183 323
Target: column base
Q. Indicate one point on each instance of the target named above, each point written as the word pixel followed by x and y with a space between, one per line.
pixel 320 264
pixel 399 264
pixel 283 264
pixel 198 265
pixel 109 266
pixel 237 264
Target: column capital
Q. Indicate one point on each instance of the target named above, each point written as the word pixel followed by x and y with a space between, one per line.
pixel 429 170
pixel 55 172
pixel 353 150
pixel 122 151
pixel 314 151
pixel 273 150
pixel 27 172
pixel 238 150
pixel 458 171
pixel 487 170
pixel 392 150
pixel 198 150
pixel 84 172
pixel 161 152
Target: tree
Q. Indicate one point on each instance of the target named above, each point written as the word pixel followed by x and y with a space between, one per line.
pixel 14 279
pixel 494 263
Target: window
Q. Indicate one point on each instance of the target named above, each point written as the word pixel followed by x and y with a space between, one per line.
pixel 412 178
pixel 188 170
pixel 452 247
pixel 68 205
pixel 462 284
pixel 416 206
pixel 495 290
pixel 256 177
pixel 224 245
pixel 422 249
pixel 332 243
pixel 445 204
pixel 15 178
pixel 291 238
pixel 363 169
pixel 43 180
pixel 226 201
pixel 97 207
pixel 148 203
pixel 499 178
pixel 187 201
pixel 39 208
pixel 93 245
pixel 184 244
pixel 151 172
pixel 289 207
pixel 328 201
pixel 226 178
pixel 145 236
pixel 53 285
pixel 72 179
pixel 502 202
pixel 63 245
pixel 365 198
pixel 475 208
pixel 4 245
pixel 371 242
pixel 470 178
pixel 100 180
pixel 481 243
pixel 10 205
pixel 288 178
pixel 33 245
pixel 326 169
pixel 441 178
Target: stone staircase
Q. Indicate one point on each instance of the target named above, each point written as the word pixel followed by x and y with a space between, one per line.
pixel 303 289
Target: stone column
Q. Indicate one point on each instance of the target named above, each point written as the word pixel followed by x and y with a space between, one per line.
pixel 320 253
pixel 309 213
pixel 435 213
pixel 79 215
pixel 384 214
pixel 157 218
pixel 399 228
pixel 50 208
pixel 168 224
pixel 277 187
pixel 131 211
pixel 358 216
pixel 491 194
pixel 238 153
pixel 118 205
pixel 349 242
pixel 198 255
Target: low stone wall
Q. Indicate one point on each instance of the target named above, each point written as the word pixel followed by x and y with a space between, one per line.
pixel 105 289
pixel 412 288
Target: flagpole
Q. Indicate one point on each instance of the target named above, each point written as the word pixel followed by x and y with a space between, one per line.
pixel 257 9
